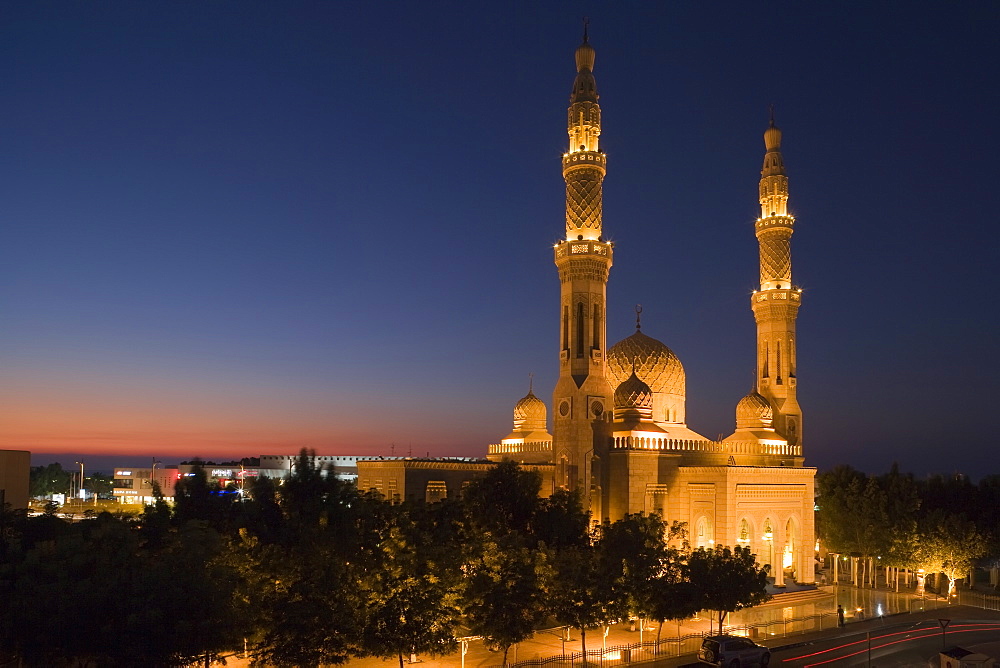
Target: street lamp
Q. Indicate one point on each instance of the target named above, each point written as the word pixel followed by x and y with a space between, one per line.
pixel 80 491
pixel 152 476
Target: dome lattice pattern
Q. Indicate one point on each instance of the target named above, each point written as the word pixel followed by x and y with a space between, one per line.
pixel 775 257
pixel 529 413
pixel 633 393
pixel 655 364
pixel 583 200
pixel 754 408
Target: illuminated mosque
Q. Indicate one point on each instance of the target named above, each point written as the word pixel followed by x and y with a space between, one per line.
pixel 619 433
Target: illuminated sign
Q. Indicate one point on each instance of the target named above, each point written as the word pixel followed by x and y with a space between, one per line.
pixel 123 473
pixel 222 473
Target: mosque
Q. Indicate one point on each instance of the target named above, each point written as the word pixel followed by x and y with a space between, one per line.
pixel 619 433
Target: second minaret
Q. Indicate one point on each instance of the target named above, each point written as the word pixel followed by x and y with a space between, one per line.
pixel 776 304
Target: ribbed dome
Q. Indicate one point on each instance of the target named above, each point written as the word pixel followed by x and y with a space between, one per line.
pixel 530 414
pixel 585 56
pixel 654 363
pixel 634 394
pixel 753 410
pixel 772 138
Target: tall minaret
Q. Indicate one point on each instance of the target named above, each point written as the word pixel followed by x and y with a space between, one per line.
pixel 582 394
pixel 776 305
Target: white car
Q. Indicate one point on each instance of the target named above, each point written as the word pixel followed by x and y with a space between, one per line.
pixel 733 652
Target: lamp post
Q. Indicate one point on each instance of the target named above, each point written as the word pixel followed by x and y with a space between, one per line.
pixel 465 646
pixel 80 490
pixel 152 477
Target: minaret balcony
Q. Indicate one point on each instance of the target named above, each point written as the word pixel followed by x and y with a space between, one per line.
pixel 772 222
pixel 584 159
pixel 574 249
pixel 793 295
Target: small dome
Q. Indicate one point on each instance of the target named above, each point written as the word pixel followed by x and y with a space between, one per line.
pixel 772 138
pixel 754 410
pixel 653 362
pixel 585 56
pixel 530 414
pixel 634 394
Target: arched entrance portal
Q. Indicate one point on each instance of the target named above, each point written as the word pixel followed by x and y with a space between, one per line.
pixel 791 558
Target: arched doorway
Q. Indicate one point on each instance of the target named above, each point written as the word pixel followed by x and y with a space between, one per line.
pixel 793 547
pixel 768 552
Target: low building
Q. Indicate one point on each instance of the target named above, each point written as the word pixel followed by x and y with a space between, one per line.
pixel 432 480
pixel 135 485
pixel 344 467
pixel 15 474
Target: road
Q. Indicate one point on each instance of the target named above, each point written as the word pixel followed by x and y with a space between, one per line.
pixel 903 645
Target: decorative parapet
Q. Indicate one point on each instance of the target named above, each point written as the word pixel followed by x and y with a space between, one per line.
pixel 518 448
pixel 711 447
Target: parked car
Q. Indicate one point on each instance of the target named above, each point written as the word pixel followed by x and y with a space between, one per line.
pixel 733 652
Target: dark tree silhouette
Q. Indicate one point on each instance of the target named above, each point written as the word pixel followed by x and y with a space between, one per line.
pixel 727 580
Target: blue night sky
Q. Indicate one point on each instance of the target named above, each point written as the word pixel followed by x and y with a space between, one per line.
pixel 237 228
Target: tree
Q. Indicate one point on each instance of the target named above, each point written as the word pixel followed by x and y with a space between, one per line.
pixel 180 603
pixel 581 595
pixel 950 544
pixel 727 580
pixel 100 484
pixel 633 551
pixel 671 594
pixel 307 603
pixel 853 513
pixel 196 498
pixel 205 618
pixel 48 480
pixel 503 500
pixel 408 605
pixel 303 492
pixel 505 592
pixel 560 520
pixel 902 505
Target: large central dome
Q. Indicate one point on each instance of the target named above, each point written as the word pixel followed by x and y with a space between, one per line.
pixel 654 363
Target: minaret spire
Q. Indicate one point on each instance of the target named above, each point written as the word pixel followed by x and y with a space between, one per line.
pixel 776 305
pixel 582 394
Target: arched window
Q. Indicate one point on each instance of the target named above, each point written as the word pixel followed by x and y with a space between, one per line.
pixel 744 537
pixel 703 533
